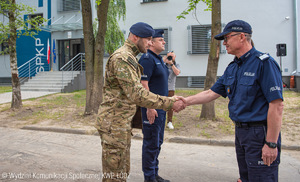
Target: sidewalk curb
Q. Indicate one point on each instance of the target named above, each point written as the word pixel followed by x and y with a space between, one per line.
pixel 201 141
pixel 54 129
pixel 183 140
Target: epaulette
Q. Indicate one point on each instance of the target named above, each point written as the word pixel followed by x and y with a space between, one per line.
pixel 146 55
pixel 263 56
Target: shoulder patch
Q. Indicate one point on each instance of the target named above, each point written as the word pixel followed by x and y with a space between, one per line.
pixel 132 62
pixel 263 56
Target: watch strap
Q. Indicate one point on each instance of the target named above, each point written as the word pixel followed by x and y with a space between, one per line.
pixel 271 144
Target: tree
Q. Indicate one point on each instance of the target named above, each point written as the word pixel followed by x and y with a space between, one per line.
pixel 114 37
pixel 107 13
pixel 9 32
pixel 208 110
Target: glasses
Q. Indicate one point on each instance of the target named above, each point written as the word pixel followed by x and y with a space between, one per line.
pixel 227 37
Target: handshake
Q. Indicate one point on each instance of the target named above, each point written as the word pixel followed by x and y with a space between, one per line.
pixel 200 98
pixel 180 103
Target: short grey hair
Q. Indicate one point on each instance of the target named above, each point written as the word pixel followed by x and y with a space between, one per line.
pixel 248 37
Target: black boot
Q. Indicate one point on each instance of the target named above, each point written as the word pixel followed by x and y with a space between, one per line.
pixel 154 180
pixel 160 179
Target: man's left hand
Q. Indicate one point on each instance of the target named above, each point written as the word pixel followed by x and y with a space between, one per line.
pixel 269 155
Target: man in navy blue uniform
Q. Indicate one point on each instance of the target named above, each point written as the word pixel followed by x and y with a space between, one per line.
pixel 253 84
pixel 155 79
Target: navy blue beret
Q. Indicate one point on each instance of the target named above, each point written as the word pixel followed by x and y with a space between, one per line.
pixel 158 33
pixel 142 29
pixel 235 26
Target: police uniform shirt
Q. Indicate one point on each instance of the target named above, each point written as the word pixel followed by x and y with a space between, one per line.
pixel 155 72
pixel 251 82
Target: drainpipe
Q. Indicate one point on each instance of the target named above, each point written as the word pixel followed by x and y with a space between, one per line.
pixel 297 37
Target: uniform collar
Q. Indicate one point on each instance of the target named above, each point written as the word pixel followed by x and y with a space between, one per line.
pixel 154 54
pixel 245 57
pixel 134 49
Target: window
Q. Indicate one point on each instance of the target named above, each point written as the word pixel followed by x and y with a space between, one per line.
pixel 35 16
pixel 41 4
pixel 200 39
pixel 68 5
pixel 196 81
pixel 35 20
pixel 149 1
pixel 166 38
pixel 4 48
pixel 4 6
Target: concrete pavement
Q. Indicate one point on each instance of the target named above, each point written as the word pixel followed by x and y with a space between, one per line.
pixel 47 156
pixel 6 97
pixel 30 153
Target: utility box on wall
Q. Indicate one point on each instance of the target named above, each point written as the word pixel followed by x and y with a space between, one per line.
pixel 281 49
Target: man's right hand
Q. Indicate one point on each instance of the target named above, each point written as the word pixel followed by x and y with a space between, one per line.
pixel 180 104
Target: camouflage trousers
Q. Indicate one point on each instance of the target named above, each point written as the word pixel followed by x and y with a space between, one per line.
pixel 115 156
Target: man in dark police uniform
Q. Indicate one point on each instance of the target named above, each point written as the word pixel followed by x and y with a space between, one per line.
pixel 253 84
pixel 155 79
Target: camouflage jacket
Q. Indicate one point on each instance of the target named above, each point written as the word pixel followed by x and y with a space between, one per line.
pixel 123 91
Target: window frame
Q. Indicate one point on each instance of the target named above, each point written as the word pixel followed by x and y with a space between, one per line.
pixel 5 10
pixel 31 16
pixel 68 5
pixel 4 48
pixel 200 44
pixel 152 1
pixel 167 38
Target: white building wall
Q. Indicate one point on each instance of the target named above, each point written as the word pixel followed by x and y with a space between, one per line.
pixel 267 18
pixel 5 70
pixel 163 15
pixel 34 4
pixel 273 22
pixel 296 20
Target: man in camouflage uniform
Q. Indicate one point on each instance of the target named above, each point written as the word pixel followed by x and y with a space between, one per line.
pixel 122 93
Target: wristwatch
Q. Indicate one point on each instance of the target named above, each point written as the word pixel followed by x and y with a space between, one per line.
pixel 271 144
pixel 171 64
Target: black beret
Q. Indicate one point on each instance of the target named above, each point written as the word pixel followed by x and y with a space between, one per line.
pixel 142 29
pixel 158 33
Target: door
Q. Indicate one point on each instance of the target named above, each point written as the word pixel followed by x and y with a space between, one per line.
pixel 68 49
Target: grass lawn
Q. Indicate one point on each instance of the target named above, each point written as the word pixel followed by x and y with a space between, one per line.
pixel 66 110
pixel 4 89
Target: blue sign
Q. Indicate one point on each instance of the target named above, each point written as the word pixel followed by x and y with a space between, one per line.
pixel 33 50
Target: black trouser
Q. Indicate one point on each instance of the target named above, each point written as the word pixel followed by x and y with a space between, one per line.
pixel 249 141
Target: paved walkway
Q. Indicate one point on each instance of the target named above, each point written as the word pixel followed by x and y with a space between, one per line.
pixel 31 156
pixel 6 97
